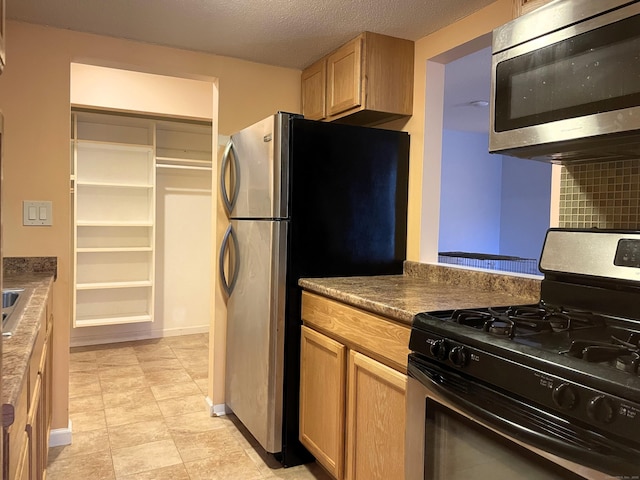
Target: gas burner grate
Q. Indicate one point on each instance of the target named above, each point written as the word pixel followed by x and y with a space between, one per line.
pixel 625 353
pixel 525 320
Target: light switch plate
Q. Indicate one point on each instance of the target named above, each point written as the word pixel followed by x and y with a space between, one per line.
pixel 36 213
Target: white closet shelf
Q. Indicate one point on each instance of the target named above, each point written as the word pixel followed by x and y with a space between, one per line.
pixel 105 285
pixel 95 321
pixel 97 223
pixel 116 145
pixel 112 249
pixel 112 184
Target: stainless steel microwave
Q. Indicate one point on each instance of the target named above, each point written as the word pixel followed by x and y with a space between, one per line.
pixel 565 84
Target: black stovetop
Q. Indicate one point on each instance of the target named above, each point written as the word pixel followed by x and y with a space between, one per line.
pixel 586 327
pixel 589 349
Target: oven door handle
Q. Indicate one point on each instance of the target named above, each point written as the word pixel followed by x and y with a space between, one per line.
pixel 617 460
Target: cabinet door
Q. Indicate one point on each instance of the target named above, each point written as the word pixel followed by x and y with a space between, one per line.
pixel 23 471
pixel 344 68
pixel 375 420
pixel 322 398
pixel 34 430
pixel 314 88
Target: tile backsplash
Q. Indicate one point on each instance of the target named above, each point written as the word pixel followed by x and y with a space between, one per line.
pixel 603 195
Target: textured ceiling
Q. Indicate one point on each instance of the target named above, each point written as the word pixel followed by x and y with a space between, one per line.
pixel 288 33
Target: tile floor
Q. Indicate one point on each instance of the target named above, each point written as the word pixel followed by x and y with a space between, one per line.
pixel 138 412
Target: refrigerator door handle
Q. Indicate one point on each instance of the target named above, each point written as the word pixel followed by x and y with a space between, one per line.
pixel 229 203
pixel 229 286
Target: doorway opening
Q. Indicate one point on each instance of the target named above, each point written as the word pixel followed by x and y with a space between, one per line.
pixel 494 209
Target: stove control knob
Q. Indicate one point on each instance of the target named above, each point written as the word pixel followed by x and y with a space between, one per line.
pixel 439 349
pixel 601 409
pixel 565 396
pixel 459 356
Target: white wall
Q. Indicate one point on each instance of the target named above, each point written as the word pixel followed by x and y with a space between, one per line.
pixel 526 203
pixel 117 89
pixel 470 194
pixel 183 251
pixel 491 203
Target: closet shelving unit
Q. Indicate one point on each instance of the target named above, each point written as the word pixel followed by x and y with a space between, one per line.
pixel 114 207
pixel 113 187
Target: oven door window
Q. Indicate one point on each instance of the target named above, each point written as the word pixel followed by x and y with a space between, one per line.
pixel 457 448
pixel 596 71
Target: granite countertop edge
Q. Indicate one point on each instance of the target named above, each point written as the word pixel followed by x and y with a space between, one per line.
pixel 17 349
pixel 401 297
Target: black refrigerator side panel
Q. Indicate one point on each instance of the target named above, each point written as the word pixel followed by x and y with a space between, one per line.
pixel 293 452
pixel 348 210
pixel 348 204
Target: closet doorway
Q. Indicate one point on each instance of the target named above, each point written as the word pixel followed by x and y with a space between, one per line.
pixel 141 191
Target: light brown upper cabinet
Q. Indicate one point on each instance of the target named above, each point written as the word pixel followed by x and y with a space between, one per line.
pixel 520 7
pixel 344 71
pixel 314 88
pixel 368 80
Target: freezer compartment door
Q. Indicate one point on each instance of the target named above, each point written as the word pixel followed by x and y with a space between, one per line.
pixel 255 330
pixel 254 176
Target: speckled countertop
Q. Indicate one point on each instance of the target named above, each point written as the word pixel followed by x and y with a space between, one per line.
pixel 16 350
pixel 425 287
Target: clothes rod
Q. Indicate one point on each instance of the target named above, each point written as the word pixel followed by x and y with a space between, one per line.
pixel 182 167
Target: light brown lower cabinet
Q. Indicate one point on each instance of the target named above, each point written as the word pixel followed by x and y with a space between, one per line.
pixel 22 470
pixel 375 420
pixel 322 393
pixel 27 425
pixel 352 406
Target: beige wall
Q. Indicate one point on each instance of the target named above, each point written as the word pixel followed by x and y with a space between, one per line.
pixel 115 89
pixel 425 126
pixel 34 98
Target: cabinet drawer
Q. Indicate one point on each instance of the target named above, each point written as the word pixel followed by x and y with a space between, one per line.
pixel 376 336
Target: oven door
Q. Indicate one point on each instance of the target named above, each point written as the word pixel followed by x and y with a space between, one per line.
pixel 450 438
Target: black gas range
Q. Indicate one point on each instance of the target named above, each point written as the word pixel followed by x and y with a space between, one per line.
pixel 566 370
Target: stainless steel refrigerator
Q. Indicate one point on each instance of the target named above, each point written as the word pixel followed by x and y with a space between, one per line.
pixel 304 199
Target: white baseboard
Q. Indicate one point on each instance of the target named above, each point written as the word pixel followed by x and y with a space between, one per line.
pixel 217 410
pixel 101 336
pixel 60 436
